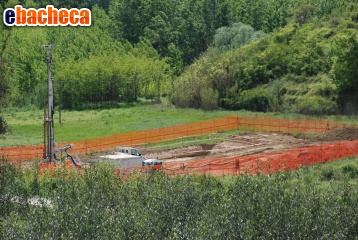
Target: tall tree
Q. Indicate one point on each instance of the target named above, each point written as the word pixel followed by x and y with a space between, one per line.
pixel 346 63
pixel 5 34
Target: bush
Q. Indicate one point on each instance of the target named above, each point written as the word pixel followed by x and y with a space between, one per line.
pixel 4 128
pixel 209 99
pixel 255 100
pixel 315 105
pixel 97 204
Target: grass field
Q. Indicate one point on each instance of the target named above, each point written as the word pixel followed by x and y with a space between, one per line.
pixel 27 125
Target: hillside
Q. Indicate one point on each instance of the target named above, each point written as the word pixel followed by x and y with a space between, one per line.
pixel 287 56
pixel 306 67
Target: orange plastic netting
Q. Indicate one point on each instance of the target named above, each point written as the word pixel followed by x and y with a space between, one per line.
pixel 185 130
pixel 267 163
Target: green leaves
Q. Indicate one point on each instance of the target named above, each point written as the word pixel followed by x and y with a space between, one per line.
pixel 138 73
pixel 346 63
pixel 235 36
pixel 97 203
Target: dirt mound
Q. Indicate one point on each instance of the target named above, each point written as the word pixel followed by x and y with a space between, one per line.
pixel 341 134
pixel 206 146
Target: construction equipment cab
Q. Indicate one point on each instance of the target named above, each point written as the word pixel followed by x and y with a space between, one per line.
pixel 128 150
pixel 152 164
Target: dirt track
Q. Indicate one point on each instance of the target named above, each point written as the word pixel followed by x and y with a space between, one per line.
pixel 248 144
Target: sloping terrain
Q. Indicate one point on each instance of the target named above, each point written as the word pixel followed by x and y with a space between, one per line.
pixel 248 144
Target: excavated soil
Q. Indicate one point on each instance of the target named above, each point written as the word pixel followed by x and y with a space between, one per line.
pixel 248 144
pixel 340 135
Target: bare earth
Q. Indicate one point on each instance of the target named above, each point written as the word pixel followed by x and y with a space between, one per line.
pixel 247 144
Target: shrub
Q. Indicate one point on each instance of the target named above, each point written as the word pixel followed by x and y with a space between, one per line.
pixel 315 105
pixel 209 99
pixel 97 204
pixel 255 100
pixel 4 127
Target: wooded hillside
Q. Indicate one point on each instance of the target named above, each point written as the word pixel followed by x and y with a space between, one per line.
pixel 264 55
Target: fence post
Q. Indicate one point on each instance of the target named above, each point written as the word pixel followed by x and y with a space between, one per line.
pixel 201 129
pixel 288 126
pixel 237 165
pixel 270 123
pixel 86 147
pixel 279 125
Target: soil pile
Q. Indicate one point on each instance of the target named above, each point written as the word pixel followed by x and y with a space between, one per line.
pixel 341 134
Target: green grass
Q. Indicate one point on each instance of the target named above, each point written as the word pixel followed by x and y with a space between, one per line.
pixel 27 125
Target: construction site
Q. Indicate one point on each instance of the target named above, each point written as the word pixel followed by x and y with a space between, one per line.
pixel 257 144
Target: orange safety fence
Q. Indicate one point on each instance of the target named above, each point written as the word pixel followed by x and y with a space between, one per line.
pixel 185 130
pixel 128 139
pixel 293 126
pixel 266 163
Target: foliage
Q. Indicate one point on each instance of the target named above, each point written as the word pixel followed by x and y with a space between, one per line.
pixel 188 25
pixel 4 127
pixel 293 64
pixel 346 61
pixel 345 69
pixel 88 66
pixel 255 99
pixel 261 15
pixel 315 105
pixel 235 36
pixel 5 35
pixel 107 78
pixel 152 44
pixel 97 203
pixel 313 95
pixel 190 88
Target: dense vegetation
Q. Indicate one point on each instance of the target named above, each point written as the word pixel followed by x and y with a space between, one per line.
pixel 317 203
pixel 308 66
pixel 264 55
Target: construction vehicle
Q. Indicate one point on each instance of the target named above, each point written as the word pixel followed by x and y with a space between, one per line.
pixel 128 157
pixel 127 150
pixel 123 157
pixel 151 165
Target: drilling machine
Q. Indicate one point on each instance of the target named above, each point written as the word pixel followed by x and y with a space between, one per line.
pixel 51 152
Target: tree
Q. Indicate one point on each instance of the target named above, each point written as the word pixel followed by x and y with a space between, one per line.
pixel 235 36
pixel 345 70
pixel 346 62
pixel 5 34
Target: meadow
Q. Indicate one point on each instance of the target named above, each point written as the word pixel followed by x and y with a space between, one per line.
pixel 27 124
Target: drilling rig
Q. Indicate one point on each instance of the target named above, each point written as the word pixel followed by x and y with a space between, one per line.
pixel 51 152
